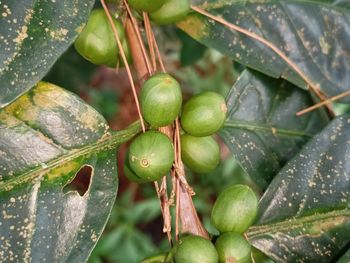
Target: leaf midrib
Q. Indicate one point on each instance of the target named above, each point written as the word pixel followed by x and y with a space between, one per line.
pixel 264 128
pixel 108 142
pixel 289 224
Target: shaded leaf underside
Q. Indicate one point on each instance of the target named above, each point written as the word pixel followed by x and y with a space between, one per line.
pixel 315 35
pixel 46 136
pixel 304 215
pixel 33 34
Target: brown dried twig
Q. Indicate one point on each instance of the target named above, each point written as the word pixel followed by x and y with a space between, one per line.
pixel 318 105
pixel 120 46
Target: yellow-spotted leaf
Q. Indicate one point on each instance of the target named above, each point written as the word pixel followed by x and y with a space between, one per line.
pixel 314 35
pixel 262 130
pixel 33 35
pixel 304 215
pixel 49 137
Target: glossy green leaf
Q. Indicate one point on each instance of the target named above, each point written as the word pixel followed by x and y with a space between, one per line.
pixel 262 130
pixel 46 137
pixel 304 215
pixel 33 35
pixel 314 34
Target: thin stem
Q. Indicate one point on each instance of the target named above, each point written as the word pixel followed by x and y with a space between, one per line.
pixel 160 60
pixel 150 41
pixel 153 42
pixel 177 213
pixel 262 40
pixel 318 105
pixel 165 204
pixel 156 186
pixel 120 46
pixel 139 38
pixel 178 163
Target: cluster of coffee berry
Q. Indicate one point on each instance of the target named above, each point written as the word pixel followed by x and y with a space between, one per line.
pixel 97 44
pixel 163 12
pixel 234 211
pixel 151 154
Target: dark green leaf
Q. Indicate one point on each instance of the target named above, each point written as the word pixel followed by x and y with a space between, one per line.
pixel 262 130
pixel 46 137
pixel 72 72
pixel 345 258
pixel 304 215
pixel 314 34
pixel 191 50
pixel 33 34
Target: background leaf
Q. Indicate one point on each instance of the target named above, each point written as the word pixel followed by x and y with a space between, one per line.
pixel 345 258
pixel 262 130
pixel 191 50
pixel 315 35
pixel 304 215
pixel 33 34
pixel 46 136
pixel 79 70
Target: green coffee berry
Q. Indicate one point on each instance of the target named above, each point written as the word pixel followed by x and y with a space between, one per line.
pixel 200 154
pixel 195 249
pixel 171 12
pixel 151 155
pixel 232 247
pixel 146 5
pixel 96 42
pixel 235 209
pixel 161 100
pixel 129 173
pixel 204 114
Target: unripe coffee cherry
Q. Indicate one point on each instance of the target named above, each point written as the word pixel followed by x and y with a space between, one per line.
pixel 129 173
pixel 232 247
pixel 204 114
pixel 200 154
pixel 161 100
pixel 151 155
pixel 235 209
pixel 171 12
pixel 146 5
pixel 96 42
pixel 195 249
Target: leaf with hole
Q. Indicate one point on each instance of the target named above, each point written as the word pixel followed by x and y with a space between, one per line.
pixel 314 35
pixel 33 35
pixel 58 176
pixel 304 215
pixel 261 129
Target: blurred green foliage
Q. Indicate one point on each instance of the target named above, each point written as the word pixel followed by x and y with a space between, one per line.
pixel 72 72
pixel 75 74
pixel 122 240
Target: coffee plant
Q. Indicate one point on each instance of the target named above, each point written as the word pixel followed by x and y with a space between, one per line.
pixel 257 172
